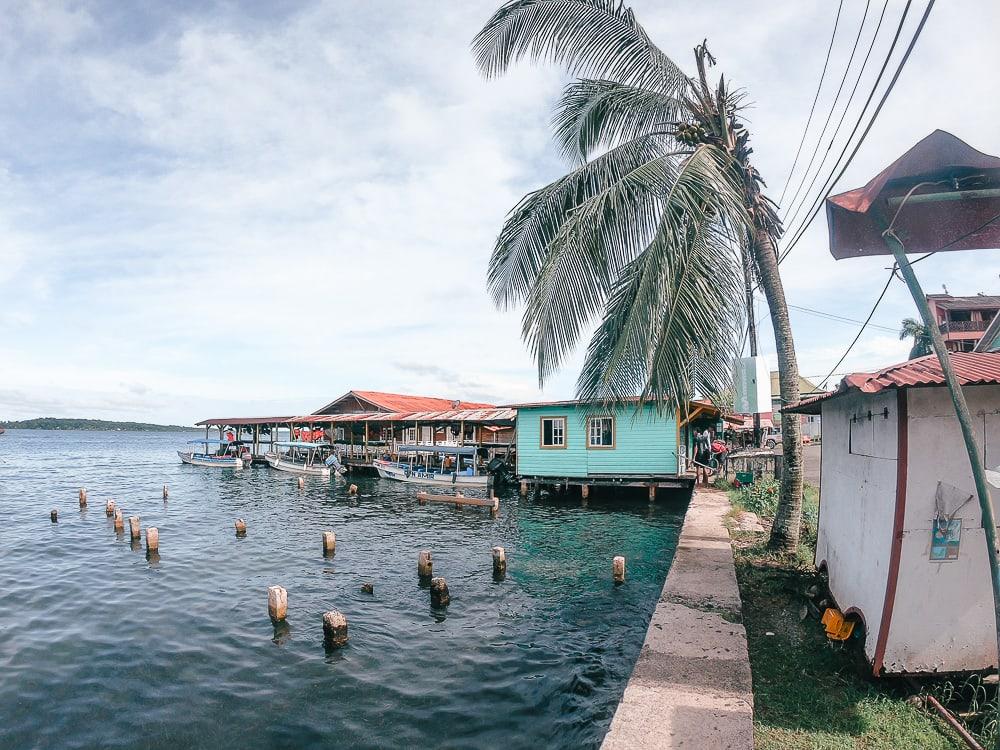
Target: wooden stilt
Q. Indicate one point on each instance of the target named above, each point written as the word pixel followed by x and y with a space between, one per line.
pixel 334 629
pixel 618 569
pixel 425 564
pixel 277 603
pixel 499 562
pixel 241 527
pixel 439 593
pixel 329 544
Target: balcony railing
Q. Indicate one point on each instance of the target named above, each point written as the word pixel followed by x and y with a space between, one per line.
pixel 964 326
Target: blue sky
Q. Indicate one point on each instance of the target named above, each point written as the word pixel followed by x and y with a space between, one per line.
pixel 233 208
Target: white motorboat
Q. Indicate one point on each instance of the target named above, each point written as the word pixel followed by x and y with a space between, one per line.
pixel 414 474
pixel 223 457
pixel 301 458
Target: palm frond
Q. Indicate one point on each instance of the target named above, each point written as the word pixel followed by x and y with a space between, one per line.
pixel 597 113
pixel 672 320
pixel 595 38
pixel 536 221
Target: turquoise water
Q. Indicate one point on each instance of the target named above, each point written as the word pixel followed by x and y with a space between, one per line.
pixel 100 647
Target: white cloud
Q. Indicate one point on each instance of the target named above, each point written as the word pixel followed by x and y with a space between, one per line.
pixel 221 212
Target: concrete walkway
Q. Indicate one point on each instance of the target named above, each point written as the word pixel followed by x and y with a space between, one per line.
pixel 691 685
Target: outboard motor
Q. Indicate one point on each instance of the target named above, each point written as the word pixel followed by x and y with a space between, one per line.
pixel 334 463
pixel 499 470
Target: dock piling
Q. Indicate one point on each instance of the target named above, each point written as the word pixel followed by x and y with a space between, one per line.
pixel 83 497
pixel 119 520
pixel 152 539
pixel 352 490
pixel 652 493
pixel 334 629
pixel 133 526
pixel 241 527
pixel 109 508
pixel 439 593
pixel 302 483
pixel 499 562
pixel 166 492
pixel 54 516
pixel 524 489
pixel 329 544
pixel 277 603
pixel 618 569
pixel 425 564
pixel 367 588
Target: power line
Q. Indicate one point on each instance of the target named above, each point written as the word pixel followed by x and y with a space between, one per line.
pixel 885 289
pixel 833 106
pixel 843 115
pixel 828 187
pixel 836 22
pixel 839 318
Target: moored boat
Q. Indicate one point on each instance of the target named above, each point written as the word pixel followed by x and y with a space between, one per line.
pixel 224 457
pixel 301 458
pixel 426 474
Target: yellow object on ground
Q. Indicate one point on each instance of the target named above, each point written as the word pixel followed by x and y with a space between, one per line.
pixel 837 627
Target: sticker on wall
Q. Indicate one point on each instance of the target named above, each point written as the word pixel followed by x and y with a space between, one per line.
pixel 946 538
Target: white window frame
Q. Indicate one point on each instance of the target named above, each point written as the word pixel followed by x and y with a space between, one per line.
pixel 591 422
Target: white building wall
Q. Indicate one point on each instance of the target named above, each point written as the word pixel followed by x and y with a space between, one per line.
pixel 943 616
pixel 857 502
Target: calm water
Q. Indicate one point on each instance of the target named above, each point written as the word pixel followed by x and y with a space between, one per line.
pixel 101 648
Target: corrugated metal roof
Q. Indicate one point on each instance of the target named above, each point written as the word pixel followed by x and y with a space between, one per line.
pixel 971 368
pixel 947 302
pixel 239 421
pixel 492 414
pixel 400 402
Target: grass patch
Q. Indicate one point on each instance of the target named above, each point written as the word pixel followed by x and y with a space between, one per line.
pixel 810 692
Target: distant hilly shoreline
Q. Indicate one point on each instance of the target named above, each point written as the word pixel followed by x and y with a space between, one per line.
pixel 56 423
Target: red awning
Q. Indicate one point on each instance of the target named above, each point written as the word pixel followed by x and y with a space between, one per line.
pixel 970 219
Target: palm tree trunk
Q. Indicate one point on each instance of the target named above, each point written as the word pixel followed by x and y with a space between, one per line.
pixel 787 520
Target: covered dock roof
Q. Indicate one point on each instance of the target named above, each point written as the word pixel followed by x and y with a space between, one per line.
pixel 492 415
pixel 240 421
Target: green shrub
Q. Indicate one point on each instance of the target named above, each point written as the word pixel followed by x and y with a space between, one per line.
pixel 761 497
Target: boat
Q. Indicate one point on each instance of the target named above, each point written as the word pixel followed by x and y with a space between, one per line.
pixel 302 458
pixel 410 472
pixel 224 457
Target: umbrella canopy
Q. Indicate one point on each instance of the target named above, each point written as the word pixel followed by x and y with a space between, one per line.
pixel 959 208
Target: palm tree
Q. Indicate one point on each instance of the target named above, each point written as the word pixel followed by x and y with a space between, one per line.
pixel 652 229
pixel 920 335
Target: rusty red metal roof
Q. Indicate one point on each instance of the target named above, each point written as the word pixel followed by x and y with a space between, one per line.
pixel 399 402
pixel 972 368
pixel 492 414
pixel 950 163
pixel 240 421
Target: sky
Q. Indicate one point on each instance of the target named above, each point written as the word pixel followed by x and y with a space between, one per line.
pixel 250 208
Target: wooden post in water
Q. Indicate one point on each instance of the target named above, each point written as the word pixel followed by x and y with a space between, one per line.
pixel 241 527
pixel 499 562
pixel 584 491
pixel 119 520
pixel 277 603
pixel 133 526
pixel 54 515
pixel 166 492
pixel 439 593
pixel 425 564
pixel 83 497
pixel 334 629
pixel 329 544
pixel 524 488
pixel 652 493
pixel 618 569
pixel 302 483
pixel 352 490
pixel 367 588
pixel 152 539
pixel 109 508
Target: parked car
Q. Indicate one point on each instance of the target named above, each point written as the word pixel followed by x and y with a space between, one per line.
pixel 773 439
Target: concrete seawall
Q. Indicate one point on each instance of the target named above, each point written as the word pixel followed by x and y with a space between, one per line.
pixel 691 685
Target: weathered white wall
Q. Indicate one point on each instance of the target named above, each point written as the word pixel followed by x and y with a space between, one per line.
pixel 943 617
pixel 857 501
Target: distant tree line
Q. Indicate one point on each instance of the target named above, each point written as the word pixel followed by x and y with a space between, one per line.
pixel 56 423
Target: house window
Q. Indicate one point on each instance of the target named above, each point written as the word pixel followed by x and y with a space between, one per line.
pixel 410 435
pixel 338 434
pixel 601 432
pixel 553 432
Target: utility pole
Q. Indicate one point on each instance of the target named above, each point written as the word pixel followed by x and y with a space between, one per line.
pixel 752 336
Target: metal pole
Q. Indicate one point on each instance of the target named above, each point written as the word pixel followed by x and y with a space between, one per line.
pixel 964 420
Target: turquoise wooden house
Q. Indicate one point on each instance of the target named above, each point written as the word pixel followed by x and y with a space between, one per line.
pixel 582 443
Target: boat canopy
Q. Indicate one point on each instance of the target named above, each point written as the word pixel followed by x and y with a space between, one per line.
pixel 460 450
pixel 301 444
pixel 209 442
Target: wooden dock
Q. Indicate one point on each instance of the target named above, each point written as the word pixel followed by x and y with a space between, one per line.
pixel 459 500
